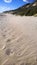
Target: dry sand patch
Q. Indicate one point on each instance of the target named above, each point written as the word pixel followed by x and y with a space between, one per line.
pixel 18 40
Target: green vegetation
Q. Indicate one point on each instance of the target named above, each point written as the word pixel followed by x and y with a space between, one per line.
pixel 27 10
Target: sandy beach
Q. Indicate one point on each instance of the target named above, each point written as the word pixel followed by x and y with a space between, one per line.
pixel 18 40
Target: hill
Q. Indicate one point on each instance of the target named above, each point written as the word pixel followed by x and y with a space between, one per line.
pixel 27 10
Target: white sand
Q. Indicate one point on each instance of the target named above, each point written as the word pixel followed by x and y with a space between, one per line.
pixel 18 40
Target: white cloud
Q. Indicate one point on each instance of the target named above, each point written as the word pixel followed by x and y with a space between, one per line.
pixel 8 1
pixel 25 1
pixel 3 8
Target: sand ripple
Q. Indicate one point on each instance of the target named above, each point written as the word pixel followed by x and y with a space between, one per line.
pixel 18 40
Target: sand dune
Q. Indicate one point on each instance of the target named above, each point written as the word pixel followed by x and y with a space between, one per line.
pixel 18 40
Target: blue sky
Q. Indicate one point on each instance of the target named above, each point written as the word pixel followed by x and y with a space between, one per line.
pixel 12 4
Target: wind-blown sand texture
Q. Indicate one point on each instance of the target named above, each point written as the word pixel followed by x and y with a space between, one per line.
pixel 18 40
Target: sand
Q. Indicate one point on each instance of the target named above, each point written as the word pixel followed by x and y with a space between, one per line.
pixel 18 40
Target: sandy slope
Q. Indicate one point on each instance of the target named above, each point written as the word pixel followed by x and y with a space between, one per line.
pixel 18 40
